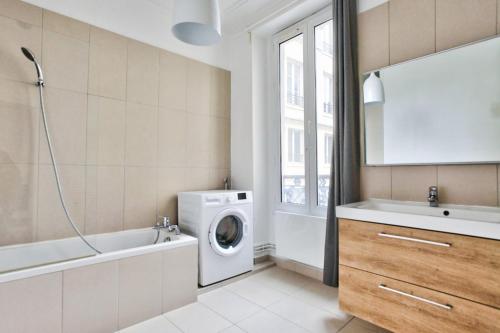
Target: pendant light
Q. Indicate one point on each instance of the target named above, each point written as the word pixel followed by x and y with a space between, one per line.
pixel 197 22
pixel 373 90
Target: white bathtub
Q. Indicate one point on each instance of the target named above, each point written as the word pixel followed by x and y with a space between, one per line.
pixel 131 281
pixel 31 259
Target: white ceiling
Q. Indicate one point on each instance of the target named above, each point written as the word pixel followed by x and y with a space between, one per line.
pixel 240 15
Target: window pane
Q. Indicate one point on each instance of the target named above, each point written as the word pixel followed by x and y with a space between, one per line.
pixel 323 36
pixel 292 121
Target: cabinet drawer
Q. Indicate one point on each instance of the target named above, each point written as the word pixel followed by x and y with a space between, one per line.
pixel 403 307
pixel 467 267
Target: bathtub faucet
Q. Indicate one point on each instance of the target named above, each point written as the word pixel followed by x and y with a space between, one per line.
pixel 165 224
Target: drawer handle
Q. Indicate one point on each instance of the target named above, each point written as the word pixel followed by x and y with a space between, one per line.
pixel 444 306
pixel 383 234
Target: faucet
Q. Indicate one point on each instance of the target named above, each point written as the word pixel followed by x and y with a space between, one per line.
pixel 165 224
pixel 433 197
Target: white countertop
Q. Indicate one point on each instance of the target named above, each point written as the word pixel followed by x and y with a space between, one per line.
pixel 476 221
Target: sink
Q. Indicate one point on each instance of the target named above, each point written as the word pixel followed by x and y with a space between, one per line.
pixel 477 221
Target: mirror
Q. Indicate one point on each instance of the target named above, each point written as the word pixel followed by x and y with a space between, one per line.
pixel 443 108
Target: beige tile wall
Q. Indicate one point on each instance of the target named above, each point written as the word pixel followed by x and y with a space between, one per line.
pixel 401 30
pixel 132 125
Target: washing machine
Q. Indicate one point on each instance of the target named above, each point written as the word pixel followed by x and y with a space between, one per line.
pixel 223 223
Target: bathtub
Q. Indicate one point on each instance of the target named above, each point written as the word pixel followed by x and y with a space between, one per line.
pixel 66 287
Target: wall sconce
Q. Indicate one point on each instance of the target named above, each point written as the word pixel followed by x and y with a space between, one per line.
pixel 373 90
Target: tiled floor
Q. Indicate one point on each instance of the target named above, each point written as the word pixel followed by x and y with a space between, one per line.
pixel 272 301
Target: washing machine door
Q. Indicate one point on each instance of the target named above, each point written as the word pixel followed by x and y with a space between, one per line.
pixel 228 232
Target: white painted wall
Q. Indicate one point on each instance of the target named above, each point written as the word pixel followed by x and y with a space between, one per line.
pixel 140 20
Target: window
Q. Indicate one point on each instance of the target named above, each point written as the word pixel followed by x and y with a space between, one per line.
pixel 294 83
pixel 328 148
pixel 304 95
pixel 328 93
pixel 295 145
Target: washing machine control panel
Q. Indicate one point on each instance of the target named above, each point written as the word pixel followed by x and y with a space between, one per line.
pixel 228 198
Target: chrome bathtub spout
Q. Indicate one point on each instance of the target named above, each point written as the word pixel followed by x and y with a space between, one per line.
pixel 164 223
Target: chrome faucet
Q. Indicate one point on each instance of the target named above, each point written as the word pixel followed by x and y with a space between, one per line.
pixel 165 224
pixel 433 197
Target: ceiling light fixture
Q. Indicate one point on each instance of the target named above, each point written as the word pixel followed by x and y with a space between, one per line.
pixel 197 22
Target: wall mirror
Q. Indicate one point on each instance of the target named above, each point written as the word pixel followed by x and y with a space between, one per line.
pixel 439 109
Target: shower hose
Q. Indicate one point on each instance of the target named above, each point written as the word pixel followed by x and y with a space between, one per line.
pixel 56 173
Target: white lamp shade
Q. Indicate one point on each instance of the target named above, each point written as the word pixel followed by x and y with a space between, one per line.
pixel 197 22
pixel 373 90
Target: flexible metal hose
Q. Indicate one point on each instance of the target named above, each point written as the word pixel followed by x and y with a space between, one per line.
pixel 56 173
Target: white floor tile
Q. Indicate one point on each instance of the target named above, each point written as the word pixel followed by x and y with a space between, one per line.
pixel 267 322
pixel 228 304
pixel 360 326
pixel 158 324
pixel 232 329
pixel 309 317
pixel 282 280
pixel 320 295
pixel 197 318
pixel 256 292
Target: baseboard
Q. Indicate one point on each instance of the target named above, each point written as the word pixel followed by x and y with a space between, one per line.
pixel 298 267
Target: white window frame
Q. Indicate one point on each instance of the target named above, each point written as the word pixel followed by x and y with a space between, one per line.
pixel 306 28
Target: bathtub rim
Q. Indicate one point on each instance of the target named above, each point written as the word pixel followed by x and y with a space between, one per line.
pixel 184 240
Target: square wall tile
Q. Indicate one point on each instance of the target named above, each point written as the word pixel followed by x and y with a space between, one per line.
pixel 67 119
pixel 18 202
pixel 216 178
pixel 140 286
pixel 199 140
pixel 32 305
pixel 21 11
pixel 498 17
pixel 90 298
pixel 220 90
pixel 198 179
pixel 219 142
pixel 172 140
pixel 52 222
pixel 180 277
pixel 141 147
pixel 198 87
pixel 104 199
pixel 170 182
pixel 142 73
pixel 105 131
pixel 463 21
pixel 65 61
pixel 140 197
pixel 107 64
pixel 65 25
pixel 411 183
pixel 412 21
pixel 373 38
pixel 13 35
pixel 173 80
pixel 468 184
pixel 375 182
pixel 18 123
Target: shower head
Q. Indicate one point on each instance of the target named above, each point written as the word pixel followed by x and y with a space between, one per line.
pixel 31 57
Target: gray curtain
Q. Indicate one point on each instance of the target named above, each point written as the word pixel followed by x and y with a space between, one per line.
pixel 344 177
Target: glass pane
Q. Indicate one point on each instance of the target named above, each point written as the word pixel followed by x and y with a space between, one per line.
pixel 229 231
pixel 323 36
pixel 292 121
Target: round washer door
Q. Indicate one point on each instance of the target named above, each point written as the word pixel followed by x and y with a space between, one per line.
pixel 228 231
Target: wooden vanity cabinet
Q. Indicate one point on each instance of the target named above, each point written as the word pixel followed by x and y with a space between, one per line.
pixel 414 280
